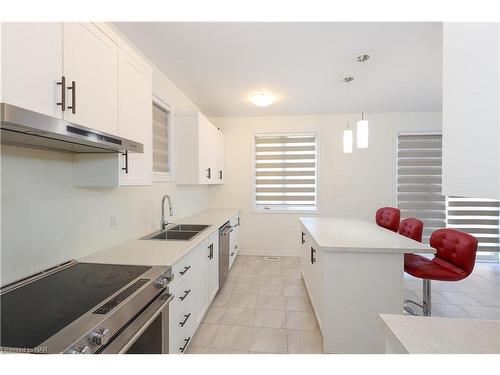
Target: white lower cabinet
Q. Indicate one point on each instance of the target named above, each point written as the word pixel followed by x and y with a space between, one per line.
pixel 189 288
pixel 312 271
pixel 195 284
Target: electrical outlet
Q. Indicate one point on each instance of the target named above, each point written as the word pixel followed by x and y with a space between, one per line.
pixel 113 222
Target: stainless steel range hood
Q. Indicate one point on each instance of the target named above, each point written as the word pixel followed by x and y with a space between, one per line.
pixel 27 128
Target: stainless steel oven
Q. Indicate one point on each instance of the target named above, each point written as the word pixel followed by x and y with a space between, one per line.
pixel 146 334
pixel 87 308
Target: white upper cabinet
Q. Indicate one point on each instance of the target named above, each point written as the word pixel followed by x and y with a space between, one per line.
pixel 198 150
pixel 471 116
pixel 135 117
pixel 31 66
pixel 91 71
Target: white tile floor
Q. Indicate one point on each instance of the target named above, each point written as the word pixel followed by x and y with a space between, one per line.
pixel 477 296
pixel 264 308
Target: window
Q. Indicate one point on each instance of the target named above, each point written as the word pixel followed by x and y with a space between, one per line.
pixel 419 180
pixel 419 195
pixel 161 142
pixel 479 217
pixel 285 172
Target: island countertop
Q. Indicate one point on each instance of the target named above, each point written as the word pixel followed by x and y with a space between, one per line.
pixel 358 235
pixel 433 335
pixel 158 252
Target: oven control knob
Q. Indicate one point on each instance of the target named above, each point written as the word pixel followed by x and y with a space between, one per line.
pixel 79 349
pixel 161 282
pixel 99 336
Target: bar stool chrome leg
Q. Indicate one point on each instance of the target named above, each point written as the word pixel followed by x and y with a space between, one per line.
pixel 426 304
pixel 426 293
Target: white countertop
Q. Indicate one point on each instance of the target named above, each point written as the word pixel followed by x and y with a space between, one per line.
pixel 357 235
pixel 157 252
pixel 432 335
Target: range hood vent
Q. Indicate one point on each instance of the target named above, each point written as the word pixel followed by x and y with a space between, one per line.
pixel 22 127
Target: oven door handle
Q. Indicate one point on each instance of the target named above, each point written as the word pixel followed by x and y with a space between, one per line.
pixel 167 299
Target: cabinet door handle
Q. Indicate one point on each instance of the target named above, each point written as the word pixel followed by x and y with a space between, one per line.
pixel 186 317
pixel 62 83
pixel 303 240
pixel 209 174
pixel 185 270
pixel 186 342
pixel 125 168
pixel 186 293
pixel 220 175
pixel 232 254
pixel 235 247
pixel 73 97
pixel 313 259
pixel 211 251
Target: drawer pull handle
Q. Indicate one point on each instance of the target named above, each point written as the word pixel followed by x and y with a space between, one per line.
pixel 232 254
pixel 186 317
pixel 185 270
pixel 186 292
pixel 235 247
pixel 185 344
pixel 303 241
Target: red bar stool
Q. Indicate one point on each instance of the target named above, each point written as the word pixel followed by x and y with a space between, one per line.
pixel 388 218
pixel 411 228
pixel 454 260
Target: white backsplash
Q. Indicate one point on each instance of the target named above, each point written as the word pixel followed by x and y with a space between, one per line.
pixel 46 221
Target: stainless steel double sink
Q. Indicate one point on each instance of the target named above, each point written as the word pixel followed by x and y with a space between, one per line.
pixel 178 232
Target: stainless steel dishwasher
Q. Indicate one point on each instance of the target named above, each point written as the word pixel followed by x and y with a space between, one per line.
pixel 224 240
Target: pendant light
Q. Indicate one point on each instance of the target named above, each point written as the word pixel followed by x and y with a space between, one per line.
pixel 362 126
pixel 348 135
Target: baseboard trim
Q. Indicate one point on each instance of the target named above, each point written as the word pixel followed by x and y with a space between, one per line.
pixel 274 253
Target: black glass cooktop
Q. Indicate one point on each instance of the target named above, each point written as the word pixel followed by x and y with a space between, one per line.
pixel 33 313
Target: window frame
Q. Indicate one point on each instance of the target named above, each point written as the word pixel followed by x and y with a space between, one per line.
pixel 161 177
pixel 282 210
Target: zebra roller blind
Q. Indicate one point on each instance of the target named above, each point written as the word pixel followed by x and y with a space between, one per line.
pixel 160 140
pixel 419 180
pixel 479 217
pixel 285 172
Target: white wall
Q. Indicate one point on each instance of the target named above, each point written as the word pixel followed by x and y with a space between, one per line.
pixel 471 110
pixel 45 220
pixel 350 185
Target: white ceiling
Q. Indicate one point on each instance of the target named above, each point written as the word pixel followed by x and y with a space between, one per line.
pixel 218 65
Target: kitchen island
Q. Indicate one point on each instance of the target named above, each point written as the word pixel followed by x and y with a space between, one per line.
pixel 430 335
pixel 353 270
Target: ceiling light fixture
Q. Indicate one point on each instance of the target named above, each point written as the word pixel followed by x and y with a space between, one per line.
pixel 348 136
pixel 263 99
pixel 362 126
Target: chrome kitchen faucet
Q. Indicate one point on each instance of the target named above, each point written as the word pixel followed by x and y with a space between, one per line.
pixel 163 222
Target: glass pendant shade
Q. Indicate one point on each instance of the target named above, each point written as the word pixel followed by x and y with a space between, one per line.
pixel 362 134
pixel 347 141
